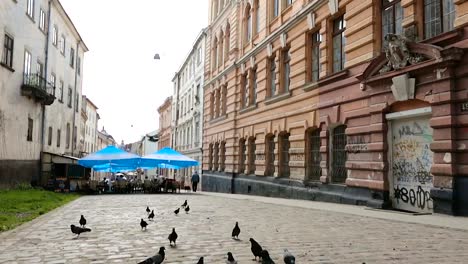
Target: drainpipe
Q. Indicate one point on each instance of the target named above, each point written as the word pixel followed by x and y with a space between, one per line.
pixel 177 112
pixel 43 108
pixel 74 134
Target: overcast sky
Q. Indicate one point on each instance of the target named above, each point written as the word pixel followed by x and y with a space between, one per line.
pixel 120 75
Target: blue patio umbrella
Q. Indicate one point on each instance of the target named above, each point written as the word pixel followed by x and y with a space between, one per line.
pixel 167 158
pixel 113 167
pixel 112 156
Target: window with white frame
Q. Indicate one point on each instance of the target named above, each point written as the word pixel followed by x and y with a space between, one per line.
pixel 42 20
pixel 54 35
pixel 30 8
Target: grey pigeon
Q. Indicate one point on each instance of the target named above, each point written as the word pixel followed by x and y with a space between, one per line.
pixel 266 257
pixel 201 261
pixel 187 209
pixel 184 204
pixel 82 221
pixel 177 211
pixel 148 210
pixel 172 237
pixel 143 224
pixel 156 259
pixel 236 231
pixel 288 257
pixel 255 248
pixel 78 230
pixel 230 259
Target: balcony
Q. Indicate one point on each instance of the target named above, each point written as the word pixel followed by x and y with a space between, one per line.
pixel 35 86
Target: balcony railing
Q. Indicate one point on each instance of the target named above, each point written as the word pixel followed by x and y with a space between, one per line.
pixel 37 87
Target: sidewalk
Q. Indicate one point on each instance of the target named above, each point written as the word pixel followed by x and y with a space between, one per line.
pixel 437 220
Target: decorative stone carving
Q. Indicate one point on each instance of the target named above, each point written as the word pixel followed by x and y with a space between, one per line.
pixel 311 20
pixel 398 54
pixel 333 6
pixel 252 62
pixel 269 49
pixel 403 87
pixel 283 40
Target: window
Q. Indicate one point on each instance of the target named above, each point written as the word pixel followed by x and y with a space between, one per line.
pixel 210 157
pixel 72 57
pixel 42 20
pixel 339 26
pixel 253 78
pixel 199 56
pixel 283 142
pixel 286 70
pixel 288 2
pixel 40 69
pixel 275 8
pixel 222 156
pixel 77 102
pixel 78 65
pixel 29 137
pixel 215 53
pixel 313 56
pixel 313 157
pixel 7 58
pixel 215 9
pixel 54 35
pixel 339 156
pixel 248 23
pixel 223 98
pixel 270 155
pixel 439 16
pixel 62 45
pixel 227 43
pixel 216 157
pixel 242 157
pixel 30 8
pixel 75 129
pixel 256 15
pixel 60 92
pixel 212 103
pixel 271 76
pixel 220 49
pixel 52 81
pixel 392 17
pixel 58 137
pixel 245 89
pixel 27 63
pixel 70 96
pixel 251 169
pixel 49 141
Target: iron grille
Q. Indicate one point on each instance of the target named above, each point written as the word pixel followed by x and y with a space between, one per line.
pixel 242 156
pixel 314 158
pixel 284 159
pixel 252 156
pixel 339 155
pixel 271 155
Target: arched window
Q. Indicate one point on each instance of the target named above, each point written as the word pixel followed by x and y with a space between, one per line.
pixel 242 157
pixel 270 155
pixel 245 89
pixel 251 168
pixel 313 157
pixel 339 156
pixel 218 102
pixel 221 47
pixel 227 43
pixel 283 143
pixel 216 157
pixel 248 23
pixel 256 17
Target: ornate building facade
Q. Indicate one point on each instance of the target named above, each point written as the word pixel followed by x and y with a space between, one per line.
pixel 360 102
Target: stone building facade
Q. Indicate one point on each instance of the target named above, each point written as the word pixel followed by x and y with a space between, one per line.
pixel 188 97
pixel 40 89
pixel 360 102
pixel 165 127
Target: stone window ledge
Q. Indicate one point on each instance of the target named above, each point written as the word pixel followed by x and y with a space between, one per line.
pixel 333 77
pixel 278 98
pixel 7 67
pixel 248 109
pixel 218 119
pixel 310 86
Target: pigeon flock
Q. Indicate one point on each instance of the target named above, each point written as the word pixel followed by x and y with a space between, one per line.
pixel 258 252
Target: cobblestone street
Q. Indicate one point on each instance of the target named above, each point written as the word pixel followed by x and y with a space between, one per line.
pixel 312 235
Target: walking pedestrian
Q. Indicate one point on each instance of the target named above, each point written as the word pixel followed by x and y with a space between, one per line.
pixel 195 181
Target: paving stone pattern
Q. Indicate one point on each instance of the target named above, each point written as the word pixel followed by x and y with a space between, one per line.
pixel 313 236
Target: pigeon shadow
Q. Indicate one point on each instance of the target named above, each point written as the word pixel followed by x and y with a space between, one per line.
pixel 173 246
pixel 237 239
